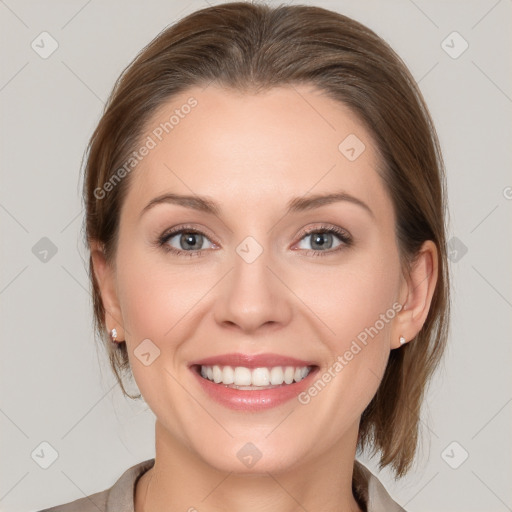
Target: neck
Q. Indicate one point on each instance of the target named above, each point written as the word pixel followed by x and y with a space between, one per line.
pixel 183 480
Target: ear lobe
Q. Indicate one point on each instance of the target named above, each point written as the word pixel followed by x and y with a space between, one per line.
pixel 105 277
pixel 418 289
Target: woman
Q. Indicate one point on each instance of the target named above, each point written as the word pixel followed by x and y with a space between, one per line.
pixel 265 205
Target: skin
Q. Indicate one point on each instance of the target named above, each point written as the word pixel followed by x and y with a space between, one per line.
pixel 252 154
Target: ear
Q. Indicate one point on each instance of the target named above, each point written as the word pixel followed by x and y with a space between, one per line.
pixel 416 293
pixel 105 276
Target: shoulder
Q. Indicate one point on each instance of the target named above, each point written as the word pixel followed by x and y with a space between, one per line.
pixel 372 491
pixel 118 497
pixel 92 503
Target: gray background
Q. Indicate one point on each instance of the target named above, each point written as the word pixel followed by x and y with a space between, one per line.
pixel 57 387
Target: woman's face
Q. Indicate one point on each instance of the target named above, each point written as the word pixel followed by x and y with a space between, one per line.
pixel 250 279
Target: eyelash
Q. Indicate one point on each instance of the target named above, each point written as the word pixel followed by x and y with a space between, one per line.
pixel 342 235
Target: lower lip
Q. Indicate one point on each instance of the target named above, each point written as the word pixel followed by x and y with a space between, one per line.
pixel 256 400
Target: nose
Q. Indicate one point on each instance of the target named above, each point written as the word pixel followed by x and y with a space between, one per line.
pixel 252 296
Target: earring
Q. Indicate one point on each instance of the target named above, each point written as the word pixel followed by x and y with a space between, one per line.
pixel 113 334
pixel 402 340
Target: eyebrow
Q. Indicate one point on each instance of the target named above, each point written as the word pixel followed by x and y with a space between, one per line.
pixel 298 204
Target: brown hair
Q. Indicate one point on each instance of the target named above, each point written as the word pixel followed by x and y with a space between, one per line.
pixel 250 47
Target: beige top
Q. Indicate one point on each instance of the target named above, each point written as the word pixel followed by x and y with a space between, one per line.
pixel 120 497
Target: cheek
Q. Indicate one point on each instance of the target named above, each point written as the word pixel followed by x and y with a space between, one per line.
pixel 360 313
pixel 359 309
pixel 357 297
pixel 363 323
pixel 150 305
pixel 158 301
pixel 154 295
pixel 146 303
pixel 154 307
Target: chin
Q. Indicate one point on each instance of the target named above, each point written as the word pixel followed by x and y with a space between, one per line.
pixel 249 459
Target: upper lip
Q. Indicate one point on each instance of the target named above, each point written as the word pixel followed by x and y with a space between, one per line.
pixel 252 360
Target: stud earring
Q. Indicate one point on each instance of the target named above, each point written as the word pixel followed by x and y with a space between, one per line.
pixel 113 334
pixel 402 340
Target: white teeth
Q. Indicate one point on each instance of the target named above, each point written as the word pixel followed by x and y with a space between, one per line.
pixel 217 374
pixel 260 377
pixel 247 378
pixel 289 374
pixel 242 376
pixel 276 376
pixel 228 375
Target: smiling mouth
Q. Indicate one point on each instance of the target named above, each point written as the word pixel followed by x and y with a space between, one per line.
pixel 243 378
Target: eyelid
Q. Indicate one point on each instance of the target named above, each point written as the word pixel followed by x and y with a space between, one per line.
pixel 325 228
pixel 345 238
pixel 342 234
pixel 188 228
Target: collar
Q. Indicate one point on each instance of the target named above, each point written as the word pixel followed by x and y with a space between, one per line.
pixel 372 494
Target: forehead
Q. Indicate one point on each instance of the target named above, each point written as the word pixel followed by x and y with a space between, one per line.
pixel 264 148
